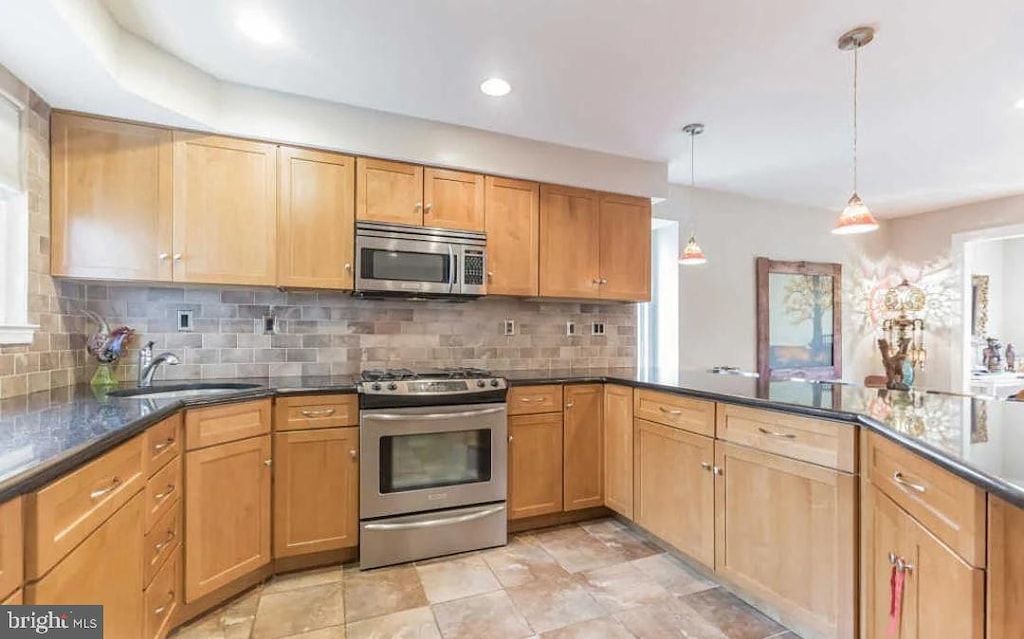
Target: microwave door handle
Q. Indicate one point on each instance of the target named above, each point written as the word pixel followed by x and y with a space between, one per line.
pixel 452 265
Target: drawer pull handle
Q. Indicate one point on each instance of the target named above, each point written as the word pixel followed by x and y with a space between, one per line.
pixel 268 462
pixel 670 411
pixel 706 466
pixel 162 609
pixel 898 478
pixel 160 545
pixel 531 400
pixel 164 495
pixel 773 433
pixel 162 445
pixel 353 453
pixel 326 412
pixel 96 494
pixel 718 470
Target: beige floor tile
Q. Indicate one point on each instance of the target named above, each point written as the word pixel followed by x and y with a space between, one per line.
pixel 671 620
pixel 333 632
pixel 416 623
pixel 231 621
pixel 623 586
pixel 735 618
pixel 603 628
pixel 379 592
pixel 674 575
pixel 294 580
pixel 292 612
pixel 577 550
pixel 553 603
pixel 458 578
pixel 622 539
pixel 490 616
pixel 522 561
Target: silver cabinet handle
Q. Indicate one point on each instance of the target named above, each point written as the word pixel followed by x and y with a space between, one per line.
pixel 510 439
pixel 353 453
pixel 177 257
pixel 674 411
pixel 348 267
pixel 159 446
pixel 433 523
pixel 324 412
pixel 900 563
pixel 597 281
pixel 602 281
pixel 163 608
pixel 96 494
pixel 164 495
pixel 705 466
pixel 367 415
pixel 268 462
pixel 419 205
pixel 531 400
pixel 160 545
pixel 898 478
pixel 773 433
pixel 428 207
pixel 718 470
pixel 164 256
pixel 490 275
pixel 570 404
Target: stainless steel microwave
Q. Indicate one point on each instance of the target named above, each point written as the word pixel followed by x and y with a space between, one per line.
pixel 415 261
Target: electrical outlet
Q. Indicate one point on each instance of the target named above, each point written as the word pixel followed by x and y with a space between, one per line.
pixel 185 318
pixel 269 324
pixel 597 328
pixel 570 328
pixel 510 327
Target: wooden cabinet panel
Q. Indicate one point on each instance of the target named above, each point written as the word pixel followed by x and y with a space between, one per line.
pixel 618 449
pixel 625 247
pixel 162 599
pixel 513 236
pixel 1005 570
pixel 316 491
pixel 453 199
pixel 583 446
pixel 674 488
pixel 534 465
pixel 162 492
pixel 11 550
pixel 105 569
pixel 225 210
pixel 305 412
pixel 315 219
pixel 162 443
pixel 111 199
pixel 569 242
pixel 227 513
pixel 819 441
pixel 694 415
pixel 162 542
pixel 525 400
pixel 227 422
pixel 389 191
pixel 16 599
pixel 785 533
pixel 885 530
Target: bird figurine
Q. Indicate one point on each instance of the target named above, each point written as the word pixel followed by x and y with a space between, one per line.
pixel 104 344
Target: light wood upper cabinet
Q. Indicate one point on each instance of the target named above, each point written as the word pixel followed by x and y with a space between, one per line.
pixel 227 513
pixel 389 191
pixel 534 465
pixel 674 488
pixel 618 449
pixel 453 199
pixel 316 490
pixel 785 533
pixel 513 229
pixel 583 445
pixel 111 199
pixel 625 248
pixel 1005 570
pixel 225 210
pixel 570 229
pixel 316 219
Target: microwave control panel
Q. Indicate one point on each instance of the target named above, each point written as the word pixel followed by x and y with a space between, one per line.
pixel 474 268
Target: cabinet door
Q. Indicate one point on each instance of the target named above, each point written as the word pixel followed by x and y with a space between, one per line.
pixel 886 530
pixel 389 192
pixel 569 243
pixel 785 534
pixel 583 442
pixel 227 513
pixel 105 569
pixel 513 228
pixel 316 490
pixel 625 248
pixel 316 219
pixel 618 449
pixel 534 465
pixel 225 210
pixel 674 488
pixel 453 200
pixel 1005 570
pixel 111 211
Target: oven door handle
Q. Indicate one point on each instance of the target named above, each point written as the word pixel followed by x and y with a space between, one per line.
pixel 432 416
pixel 433 523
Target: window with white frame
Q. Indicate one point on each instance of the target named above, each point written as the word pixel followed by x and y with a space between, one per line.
pixel 14 326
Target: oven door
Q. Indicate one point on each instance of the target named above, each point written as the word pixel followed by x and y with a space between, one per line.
pixel 405 265
pixel 429 458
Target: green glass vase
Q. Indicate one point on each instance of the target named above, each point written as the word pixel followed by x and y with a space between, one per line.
pixel 104 377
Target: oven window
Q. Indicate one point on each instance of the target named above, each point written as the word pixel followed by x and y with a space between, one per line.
pixel 414 462
pixel 406 266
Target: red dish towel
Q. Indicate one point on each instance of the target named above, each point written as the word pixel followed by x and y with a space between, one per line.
pixel 896 579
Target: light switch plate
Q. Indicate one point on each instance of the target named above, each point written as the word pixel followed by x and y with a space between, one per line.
pixel 269 324
pixel 597 328
pixel 185 320
pixel 510 327
pixel 570 328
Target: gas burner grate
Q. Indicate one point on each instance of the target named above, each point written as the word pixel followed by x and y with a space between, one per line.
pixel 390 374
pixel 465 372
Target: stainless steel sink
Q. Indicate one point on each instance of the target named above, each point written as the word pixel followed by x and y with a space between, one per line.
pixel 180 391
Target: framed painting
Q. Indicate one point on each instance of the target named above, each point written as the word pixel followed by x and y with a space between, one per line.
pixel 799 319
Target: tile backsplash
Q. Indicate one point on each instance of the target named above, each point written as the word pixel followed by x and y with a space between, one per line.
pixel 332 333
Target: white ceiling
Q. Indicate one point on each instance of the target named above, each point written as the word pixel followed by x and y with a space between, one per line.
pixel 938 123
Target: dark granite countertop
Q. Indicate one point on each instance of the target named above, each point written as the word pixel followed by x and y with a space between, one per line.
pixel 44 435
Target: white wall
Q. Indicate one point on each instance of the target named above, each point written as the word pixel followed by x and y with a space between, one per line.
pixel 1012 295
pixel 987 258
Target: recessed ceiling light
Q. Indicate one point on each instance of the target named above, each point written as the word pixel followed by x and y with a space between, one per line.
pixel 1019 103
pixel 495 87
pixel 259 27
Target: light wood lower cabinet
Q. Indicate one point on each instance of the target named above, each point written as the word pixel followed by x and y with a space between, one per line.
pixel 583 443
pixel 162 599
pixel 1005 570
pixel 674 488
pixel 618 449
pixel 534 465
pixel 316 490
pixel 105 569
pixel 227 513
pixel 785 534
pixel 12 562
pixel 16 599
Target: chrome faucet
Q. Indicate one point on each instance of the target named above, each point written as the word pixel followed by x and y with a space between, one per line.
pixel 148 364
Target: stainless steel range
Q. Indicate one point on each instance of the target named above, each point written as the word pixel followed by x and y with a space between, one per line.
pixel 433 469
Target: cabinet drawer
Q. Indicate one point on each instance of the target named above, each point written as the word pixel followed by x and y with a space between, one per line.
pixel 63 513
pixel 227 423
pixel 694 415
pixel 316 411
pixel 11 558
pixel 162 541
pixel 162 598
pixel 163 443
pixel 526 400
pixel 818 441
pixel 162 492
pixel 951 508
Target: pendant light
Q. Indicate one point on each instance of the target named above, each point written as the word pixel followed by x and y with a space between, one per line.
pixel 692 254
pixel 856 217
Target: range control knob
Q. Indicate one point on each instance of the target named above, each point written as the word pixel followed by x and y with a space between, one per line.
pixel 392 386
pixel 375 386
pixel 494 382
pixel 480 383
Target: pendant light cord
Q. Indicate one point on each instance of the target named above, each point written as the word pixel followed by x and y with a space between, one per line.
pixel 856 66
